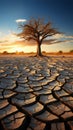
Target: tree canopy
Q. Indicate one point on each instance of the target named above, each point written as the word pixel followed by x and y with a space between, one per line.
pixel 37 30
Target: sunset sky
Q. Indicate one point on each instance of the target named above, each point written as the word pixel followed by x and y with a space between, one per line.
pixel 13 12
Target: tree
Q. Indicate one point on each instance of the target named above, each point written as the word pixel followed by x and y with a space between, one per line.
pixel 71 51
pixel 37 30
pixel 60 52
pixel 5 52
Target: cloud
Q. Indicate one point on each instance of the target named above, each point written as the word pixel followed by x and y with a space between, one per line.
pixel 59 39
pixel 12 38
pixel 9 38
pixel 10 42
pixel 60 36
pixel 3 41
pixel 20 20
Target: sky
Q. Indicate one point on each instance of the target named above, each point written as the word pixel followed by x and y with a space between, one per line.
pixel 13 12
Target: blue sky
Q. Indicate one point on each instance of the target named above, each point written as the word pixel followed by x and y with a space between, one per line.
pixel 60 12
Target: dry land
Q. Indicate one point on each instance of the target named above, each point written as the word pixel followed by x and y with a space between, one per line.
pixel 36 93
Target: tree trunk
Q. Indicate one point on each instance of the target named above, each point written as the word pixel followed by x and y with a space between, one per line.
pixel 39 49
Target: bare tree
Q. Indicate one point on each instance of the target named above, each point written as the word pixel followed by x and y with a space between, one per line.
pixel 37 30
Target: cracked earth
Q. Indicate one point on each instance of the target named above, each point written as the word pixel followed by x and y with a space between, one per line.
pixel 36 93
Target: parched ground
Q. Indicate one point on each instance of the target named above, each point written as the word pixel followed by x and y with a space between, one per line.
pixel 36 93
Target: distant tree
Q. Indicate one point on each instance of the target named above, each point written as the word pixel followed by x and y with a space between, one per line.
pixel 5 52
pixel 37 30
pixel 60 52
pixel 71 51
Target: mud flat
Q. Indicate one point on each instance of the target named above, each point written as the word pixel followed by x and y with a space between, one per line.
pixel 36 93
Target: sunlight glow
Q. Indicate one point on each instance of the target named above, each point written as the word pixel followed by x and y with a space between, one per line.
pixel 25 49
pixel 16 49
pixel 11 43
